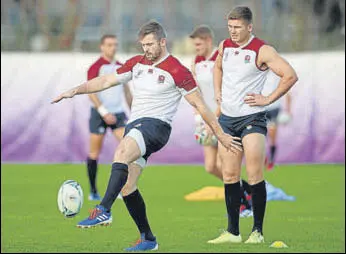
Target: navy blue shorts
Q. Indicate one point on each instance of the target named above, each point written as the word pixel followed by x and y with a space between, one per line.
pixel 272 115
pixel 98 126
pixel 243 125
pixel 155 133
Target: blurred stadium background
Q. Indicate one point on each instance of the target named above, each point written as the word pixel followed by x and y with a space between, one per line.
pixel 47 46
pixel 72 25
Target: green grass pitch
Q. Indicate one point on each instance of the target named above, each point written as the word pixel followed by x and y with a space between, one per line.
pixel 31 222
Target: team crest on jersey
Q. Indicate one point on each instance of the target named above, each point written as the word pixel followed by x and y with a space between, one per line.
pixel 138 73
pixel 247 59
pixel 161 79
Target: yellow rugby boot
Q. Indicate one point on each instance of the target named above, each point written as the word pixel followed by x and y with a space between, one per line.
pixel 226 237
pixel 255 237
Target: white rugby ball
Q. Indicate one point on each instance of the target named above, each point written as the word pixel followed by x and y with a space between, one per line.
pixel 203 138
pixel 70 198
pixel 284 118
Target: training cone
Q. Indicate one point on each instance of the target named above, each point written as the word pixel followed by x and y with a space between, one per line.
pixel 278 244
pixel 207 194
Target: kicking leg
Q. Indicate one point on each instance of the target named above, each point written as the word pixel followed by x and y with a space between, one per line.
pixel 127 152
pixel 134 201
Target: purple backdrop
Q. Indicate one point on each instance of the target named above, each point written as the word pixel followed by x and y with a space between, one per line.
pixel 33 130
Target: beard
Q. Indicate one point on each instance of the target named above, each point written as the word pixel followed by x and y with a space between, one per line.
pixel 153 56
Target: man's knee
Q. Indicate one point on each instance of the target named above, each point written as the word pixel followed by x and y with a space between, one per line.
pixel 94 155
pixel 231 177
pixel 254 175
pixel 121 154
pixel 128 189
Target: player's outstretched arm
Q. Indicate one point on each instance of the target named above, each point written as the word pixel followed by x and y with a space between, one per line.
pixel 94 85
pixel 269 57
pixel 196 100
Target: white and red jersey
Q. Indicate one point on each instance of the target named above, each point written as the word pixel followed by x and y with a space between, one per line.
pixel 204 76
pixel 241 75
pixel 157 87
pixel 112 98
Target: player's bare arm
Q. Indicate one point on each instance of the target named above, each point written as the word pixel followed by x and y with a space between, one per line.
pixel 268 57
pixel 128 95
pixel 92 86
pixel 193 71
pixel 196 100
pixel 217 74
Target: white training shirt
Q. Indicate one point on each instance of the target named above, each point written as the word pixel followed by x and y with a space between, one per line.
pixel 204 76
pixel 241 75
pixel 157 88
pixel 112 98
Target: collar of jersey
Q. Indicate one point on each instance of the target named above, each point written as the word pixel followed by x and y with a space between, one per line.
pixel 212 53
pixel 250 40
pixel 161 60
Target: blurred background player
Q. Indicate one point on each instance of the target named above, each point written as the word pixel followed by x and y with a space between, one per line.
pixel 107 109
pixel 202 69
pixel 276 115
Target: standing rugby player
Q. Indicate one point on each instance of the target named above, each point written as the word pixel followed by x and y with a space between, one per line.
pixel 240 73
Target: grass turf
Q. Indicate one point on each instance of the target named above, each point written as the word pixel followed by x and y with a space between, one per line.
pixel 31 222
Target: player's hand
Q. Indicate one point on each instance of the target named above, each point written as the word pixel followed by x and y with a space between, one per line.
pixel 68 94
pixel 232 144
pixel 110 119
pixel 253 99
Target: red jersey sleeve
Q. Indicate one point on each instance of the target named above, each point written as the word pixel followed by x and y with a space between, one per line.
pixel 124 73
pixel 182 77
pixel 93 71
pixel 184 80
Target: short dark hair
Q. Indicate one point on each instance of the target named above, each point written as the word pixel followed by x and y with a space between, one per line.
pixel 241 12
pixel 202 31
pixel 107 36
pixel 152 27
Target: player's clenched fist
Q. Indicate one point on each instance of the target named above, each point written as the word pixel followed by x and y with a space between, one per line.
pixel 231 143
pixel 109 119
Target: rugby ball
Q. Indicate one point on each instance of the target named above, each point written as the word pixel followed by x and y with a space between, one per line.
pixel 284 118
pixel 70 198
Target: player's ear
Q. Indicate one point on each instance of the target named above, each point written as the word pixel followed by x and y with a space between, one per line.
pixel 210 40
pixel 250 27
pixel 163 42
